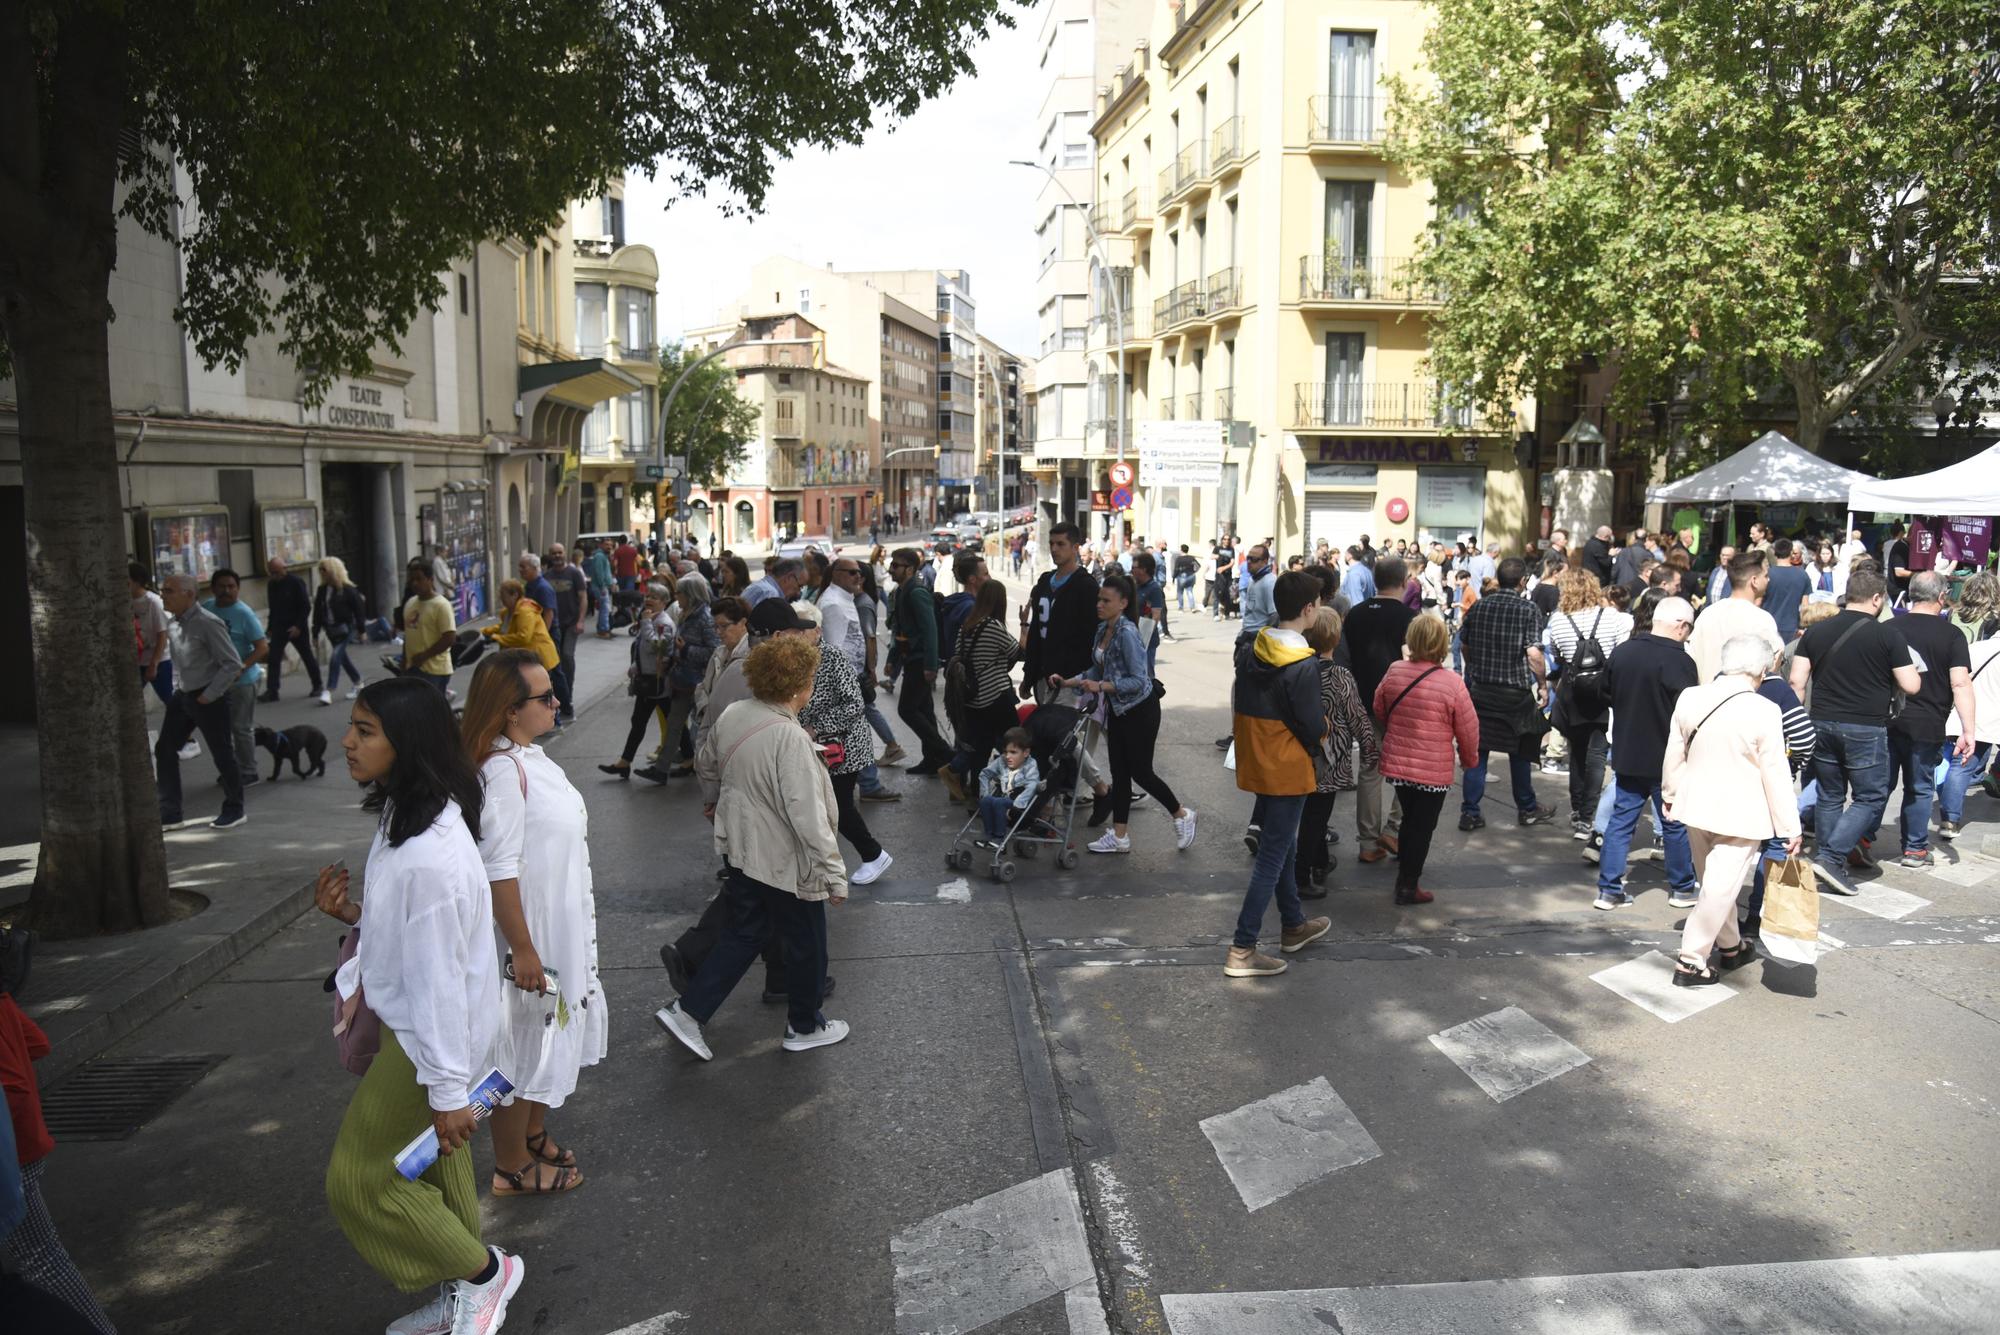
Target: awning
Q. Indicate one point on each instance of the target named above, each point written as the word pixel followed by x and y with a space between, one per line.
pixel 1968 487
pixel 556 397
pixel 1770 468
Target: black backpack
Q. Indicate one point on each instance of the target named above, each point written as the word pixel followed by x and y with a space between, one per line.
pixel 1583 675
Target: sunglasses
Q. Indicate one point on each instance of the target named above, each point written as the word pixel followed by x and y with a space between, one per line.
pixel 546 698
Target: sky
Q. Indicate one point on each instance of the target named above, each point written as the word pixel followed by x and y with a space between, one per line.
pixel 934 191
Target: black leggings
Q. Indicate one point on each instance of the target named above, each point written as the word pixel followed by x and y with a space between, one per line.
pixel 1312 853
pixel 1420 822
pixel 852 828
pixel 643 707
pixel 1128 741
pixel 1586 769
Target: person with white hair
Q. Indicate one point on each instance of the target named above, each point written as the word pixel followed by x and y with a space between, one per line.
pixel 1727 779
pixel 1644 680
pixel 208 664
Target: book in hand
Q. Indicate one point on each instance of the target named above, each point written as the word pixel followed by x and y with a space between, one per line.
pixel 416 1158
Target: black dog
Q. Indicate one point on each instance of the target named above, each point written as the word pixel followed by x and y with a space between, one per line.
pixel 292 744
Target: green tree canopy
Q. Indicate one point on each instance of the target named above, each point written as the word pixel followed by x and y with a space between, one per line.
pixel 319 166
pixel 1716 200
pixel 709 422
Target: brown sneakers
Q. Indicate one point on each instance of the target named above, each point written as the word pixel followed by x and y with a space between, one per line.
pixel 1307 932
pixel 1245 962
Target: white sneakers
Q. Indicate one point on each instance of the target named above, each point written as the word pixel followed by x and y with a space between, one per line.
pixel 684 1027
pixel 192 751
pixel 354 691
pixel 823 1037
pixel 1109 842
pixel 465 1308
pixel 871 871
pixel 324 697
pixel 1184 829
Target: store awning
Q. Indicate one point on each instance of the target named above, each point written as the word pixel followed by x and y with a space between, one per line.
pixel 556 398
pixel 1770 468
pixel 1968 487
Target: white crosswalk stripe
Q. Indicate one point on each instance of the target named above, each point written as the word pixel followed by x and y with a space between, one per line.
pixel 1884 901
pixel 960 1270
pixel 1276 1145
pixel 1949 1293
pixel 1648 982
pixel 1508 1052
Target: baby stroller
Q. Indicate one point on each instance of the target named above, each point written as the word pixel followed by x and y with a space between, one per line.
pixel 1057 735
pixel 465 649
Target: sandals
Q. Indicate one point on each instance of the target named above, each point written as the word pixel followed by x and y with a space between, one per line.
pixel 1690 977
pixel 519 1184
pixel 539 1141
pixel 1742 953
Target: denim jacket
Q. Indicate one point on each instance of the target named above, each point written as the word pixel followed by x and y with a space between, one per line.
pixel 1124 666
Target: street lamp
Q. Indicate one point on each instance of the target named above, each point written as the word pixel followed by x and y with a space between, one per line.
pixel 1104 262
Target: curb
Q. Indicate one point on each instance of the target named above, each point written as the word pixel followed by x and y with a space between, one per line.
pixel 131 1014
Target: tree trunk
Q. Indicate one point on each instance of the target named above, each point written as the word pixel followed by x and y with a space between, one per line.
pixel 102 866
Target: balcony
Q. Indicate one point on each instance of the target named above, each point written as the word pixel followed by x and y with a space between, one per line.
pixel 1165 194
pixel 1133 215
pixel 1226 147
pixel 1361 404
pixel 1100 218
pixel 1367 280
pixel 1225 405
pixel 1191 406
pixel 1186 302
pixel 1163 411
pixel 1344 122
pixel 1225 291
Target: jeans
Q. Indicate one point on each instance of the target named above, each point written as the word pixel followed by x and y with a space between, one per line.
pixel 1457 653
pixel 559 682
pixel 1368 826
pixel 338 662
pixel 1273 873
pixel 1183 592
pixel 1951 794
pixel 1773 851
pixel 281 636
pixel 1586 769
pixel 1914 763
pixel 566 660
pixel 603 597
pixel 1632 794
pixel 1521 769
pixel 441 680
pixel 184 718
pixel 757 915
pixel 242 702
pixel 1849 755
pixel 997 812
pixel 163 686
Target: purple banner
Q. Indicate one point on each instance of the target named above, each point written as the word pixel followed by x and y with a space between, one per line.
pixel 1962 541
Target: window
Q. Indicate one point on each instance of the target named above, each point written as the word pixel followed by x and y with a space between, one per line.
pixel 590 314
pixel 1077 56
pixel 635 322
pixel 1073 337
pixel 1350 86
pixel 1344 389
pixel 1076 146
pixel 805 301
pixel 614 220
pixel 1349 205
pixel 597 431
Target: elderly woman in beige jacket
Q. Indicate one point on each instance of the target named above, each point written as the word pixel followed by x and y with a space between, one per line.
pixel 774 827
pixel 1728 781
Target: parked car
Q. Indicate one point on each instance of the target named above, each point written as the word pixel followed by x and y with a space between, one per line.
pixel 945 540
pixel 799 546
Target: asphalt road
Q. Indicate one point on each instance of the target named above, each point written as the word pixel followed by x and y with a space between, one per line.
pixel 1055 1114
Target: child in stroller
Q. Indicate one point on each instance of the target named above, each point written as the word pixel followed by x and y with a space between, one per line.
pixel 1055 736
pixel 1008 784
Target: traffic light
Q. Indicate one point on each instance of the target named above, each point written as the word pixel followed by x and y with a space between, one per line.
pixel 670 504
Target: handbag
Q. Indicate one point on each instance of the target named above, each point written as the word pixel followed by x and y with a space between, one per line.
pixel 356 1029
pixel 1790 930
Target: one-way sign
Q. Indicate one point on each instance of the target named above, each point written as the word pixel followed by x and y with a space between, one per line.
pixel 661 472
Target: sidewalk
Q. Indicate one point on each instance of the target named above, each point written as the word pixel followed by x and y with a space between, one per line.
pixel 255 879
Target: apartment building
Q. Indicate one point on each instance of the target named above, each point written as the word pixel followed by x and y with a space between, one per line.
pixel 615 285
pixel 1263 245
pixel 867 327
pixel 1078 42
pixel 1001 380
pixel 949 291
pixel 808 473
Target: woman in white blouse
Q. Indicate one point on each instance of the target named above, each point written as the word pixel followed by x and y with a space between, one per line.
pixel 1582 716
pixel 553 1019
pixel 424 964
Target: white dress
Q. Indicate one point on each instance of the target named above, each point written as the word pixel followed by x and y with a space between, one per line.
pixel 541 839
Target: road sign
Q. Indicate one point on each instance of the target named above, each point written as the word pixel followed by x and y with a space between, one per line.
pixel 1121 498
pixel 1121 474
pixel 661 472
pixel 676 464
pixel 1181 454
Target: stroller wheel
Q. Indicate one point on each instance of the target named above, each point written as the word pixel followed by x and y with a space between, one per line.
pixel 1003 871
pixel 1070 857
pixel 1026 851
pixel 951 858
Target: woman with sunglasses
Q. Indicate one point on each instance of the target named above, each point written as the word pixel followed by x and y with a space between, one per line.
pixel 533 840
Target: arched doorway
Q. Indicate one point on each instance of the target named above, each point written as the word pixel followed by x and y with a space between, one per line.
pixel 746 524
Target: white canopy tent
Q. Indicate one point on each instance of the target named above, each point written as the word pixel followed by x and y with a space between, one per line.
pixel 1968 487
pixel 1770 468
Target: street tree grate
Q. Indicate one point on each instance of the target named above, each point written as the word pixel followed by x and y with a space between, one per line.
pixel 111 1099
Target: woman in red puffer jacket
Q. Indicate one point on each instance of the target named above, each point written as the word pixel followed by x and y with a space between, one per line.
pixel 1425 708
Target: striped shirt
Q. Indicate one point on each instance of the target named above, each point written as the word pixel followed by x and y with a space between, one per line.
pixel 1800 734
pixel 990 654
pixel 1569 629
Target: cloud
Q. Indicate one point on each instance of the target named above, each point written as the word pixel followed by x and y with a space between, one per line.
pixel 934 191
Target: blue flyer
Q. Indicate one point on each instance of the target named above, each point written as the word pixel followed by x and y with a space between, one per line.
pixel 417 1156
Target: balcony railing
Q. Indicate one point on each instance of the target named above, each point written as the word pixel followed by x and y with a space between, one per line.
pixel 1100 218
pixel 1184 303
pixel 1368 278
pixel 1160 320
pixel 1165 193
pixel 1191 165
pixel 1164 409
pixel 1133 212
pixel 1225 290
pixel 1360 403
pixel 1225 146
pixel 1353 119
pixel 1225 405
pixel 1191 406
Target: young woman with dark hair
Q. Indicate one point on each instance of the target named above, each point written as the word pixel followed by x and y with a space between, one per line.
pixel 553 1020
pixel 425 963
pixel 990 652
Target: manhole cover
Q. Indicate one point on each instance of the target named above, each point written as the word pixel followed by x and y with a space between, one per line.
pixel 110 1099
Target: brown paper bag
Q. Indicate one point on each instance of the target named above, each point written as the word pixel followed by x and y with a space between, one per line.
pixel 1791 912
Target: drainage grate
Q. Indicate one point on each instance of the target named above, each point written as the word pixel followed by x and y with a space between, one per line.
pixel 111 1099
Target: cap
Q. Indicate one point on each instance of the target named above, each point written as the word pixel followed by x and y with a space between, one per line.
pixel 773 615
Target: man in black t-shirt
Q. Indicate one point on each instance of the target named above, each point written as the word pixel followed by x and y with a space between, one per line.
pixel 1896 562
pixel 1547 595
pixel 1373 638
pixel 1855 664
pixel 1917 736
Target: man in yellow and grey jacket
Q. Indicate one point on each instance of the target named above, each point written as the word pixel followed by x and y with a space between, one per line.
pixel 1278 723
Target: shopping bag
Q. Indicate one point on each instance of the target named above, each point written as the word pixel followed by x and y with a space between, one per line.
pixel 1791 913
pixel 1229 760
